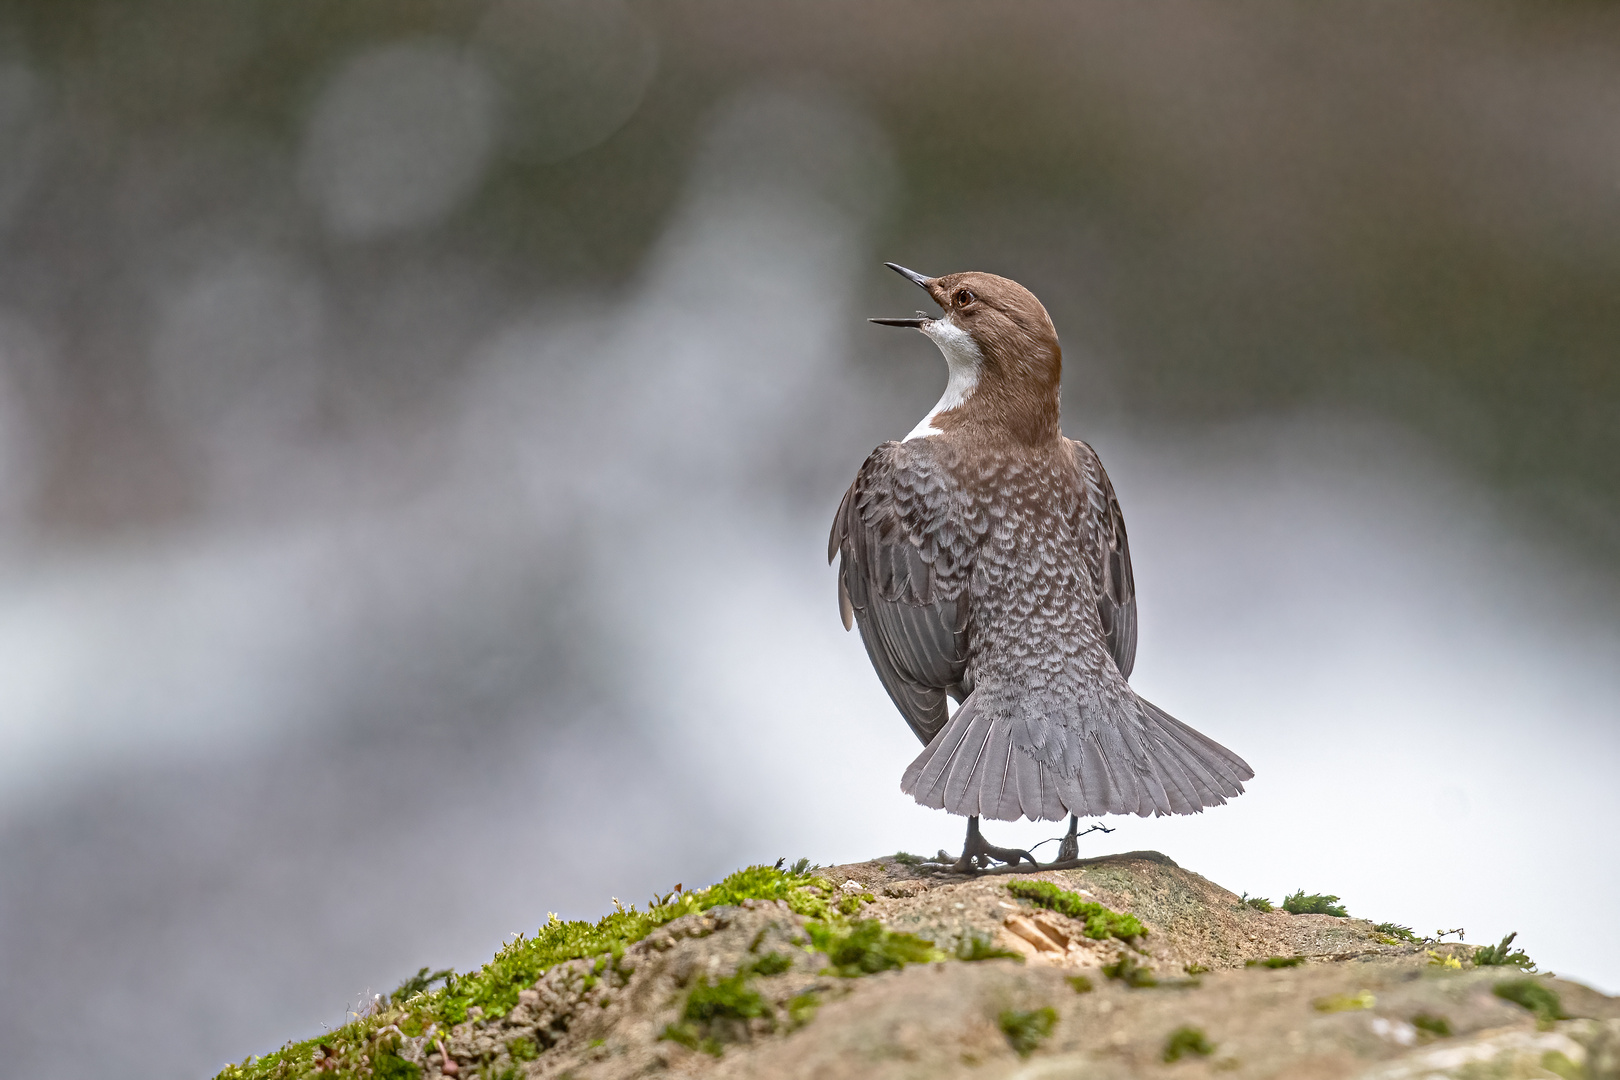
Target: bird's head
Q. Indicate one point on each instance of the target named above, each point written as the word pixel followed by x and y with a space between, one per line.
pixel 1001 348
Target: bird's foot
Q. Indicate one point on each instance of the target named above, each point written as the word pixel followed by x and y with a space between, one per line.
pixel 977 854
pixel 1070 848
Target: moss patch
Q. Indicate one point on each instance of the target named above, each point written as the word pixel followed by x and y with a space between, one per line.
pixel 1275 962
pixel 1345 1002
pixel 1026 1030
pixel 1299 902
pixel 1532 995
pixel 1129 972
pixel 719 1012
pixel 865 947
pixel 494 987
pixel 1187 1040
pixel 971 948
pixel 1101 923
pixel 1437 1026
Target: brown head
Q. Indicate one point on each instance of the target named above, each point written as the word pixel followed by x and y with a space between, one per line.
pixel 1003 353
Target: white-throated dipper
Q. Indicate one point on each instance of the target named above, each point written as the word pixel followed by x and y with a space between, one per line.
pixel 984 558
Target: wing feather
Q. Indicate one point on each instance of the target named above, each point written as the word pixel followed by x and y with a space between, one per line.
pixel 911 623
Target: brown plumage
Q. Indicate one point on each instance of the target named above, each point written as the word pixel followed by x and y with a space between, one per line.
pixel 985 559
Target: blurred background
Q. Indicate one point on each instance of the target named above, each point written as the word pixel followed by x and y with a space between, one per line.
pixel 420 424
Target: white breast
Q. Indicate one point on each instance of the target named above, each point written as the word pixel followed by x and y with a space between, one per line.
pixel 963 358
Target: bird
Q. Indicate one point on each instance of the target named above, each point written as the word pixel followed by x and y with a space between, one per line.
pixel 985 561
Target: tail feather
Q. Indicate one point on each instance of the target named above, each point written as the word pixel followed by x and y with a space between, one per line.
pixel 1146 763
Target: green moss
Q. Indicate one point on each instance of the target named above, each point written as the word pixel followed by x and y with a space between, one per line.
pixel 1259 903
pixel 519 964
pixel 1187 1040
pixel 388 1065
pixel 1101 923
pixel 1533 995
pixel 1129 972
pixel 1301 903
pixel 1080 984
pixel 1276 962
pixel 906 858
pixel 719 1012
pixel 419 983
pixel 865 947
pixel 1560 1065
pixel 974 947
pixel 1197 969
pixel 1026 1030
pixel 802 1009
pixel 1397 931
pixel 1498 955
pixel 1345 1002
pixel 772 963
pixel 1434 1025
pixel 851 905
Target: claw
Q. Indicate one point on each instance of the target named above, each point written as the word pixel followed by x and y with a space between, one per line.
pixel 976 854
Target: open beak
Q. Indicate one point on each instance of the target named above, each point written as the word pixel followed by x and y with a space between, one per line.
pixel 916 279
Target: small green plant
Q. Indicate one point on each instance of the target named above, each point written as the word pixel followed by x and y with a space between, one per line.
pixel 1259 903
pixel 1275 962
pixel 1187 1040
pixel 1026 1030
pixel 772 963
pixel 1197 969
pixel 1532 995
pixel 420 983
pixel 906 858
pixel 388 1065
pixel 1080 984
pixel 1438 1026
pixel 851 904
pixel 719 1012
pixel 1397 931
pixel 802 1008
pixel 1101 923
pixel 1362 999
pixel 524 1049
pixel 972 947
pixel 1445 963
pixel 865 947
pixel 1498 955
pixel 1129 972
pixel 1299 902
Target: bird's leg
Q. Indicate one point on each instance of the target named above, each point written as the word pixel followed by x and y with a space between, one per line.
pixel 976 854
pixel 1070 848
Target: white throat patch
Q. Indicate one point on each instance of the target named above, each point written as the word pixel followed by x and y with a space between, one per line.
pixel 964 359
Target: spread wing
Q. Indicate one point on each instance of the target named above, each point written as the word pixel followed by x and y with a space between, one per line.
pixel 1110 555
pixel 901 577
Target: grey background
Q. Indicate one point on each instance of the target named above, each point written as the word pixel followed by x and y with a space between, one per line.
pixel 420 422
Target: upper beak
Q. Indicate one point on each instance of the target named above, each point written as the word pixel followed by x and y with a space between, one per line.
pixel 916 279
pixel 912 275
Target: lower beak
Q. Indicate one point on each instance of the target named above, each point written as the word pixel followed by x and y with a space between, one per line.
pixel 915 324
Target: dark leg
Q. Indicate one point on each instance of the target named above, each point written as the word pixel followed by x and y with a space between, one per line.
pixel 976 854
pixel 1070 848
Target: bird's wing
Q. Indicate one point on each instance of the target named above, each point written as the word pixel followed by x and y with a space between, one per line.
pixel 1110 556
pixel 902 576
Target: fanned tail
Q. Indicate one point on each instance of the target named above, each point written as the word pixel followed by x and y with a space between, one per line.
pixel 1146 763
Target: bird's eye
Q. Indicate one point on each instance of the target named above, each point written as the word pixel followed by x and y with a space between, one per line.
pixel 964 297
